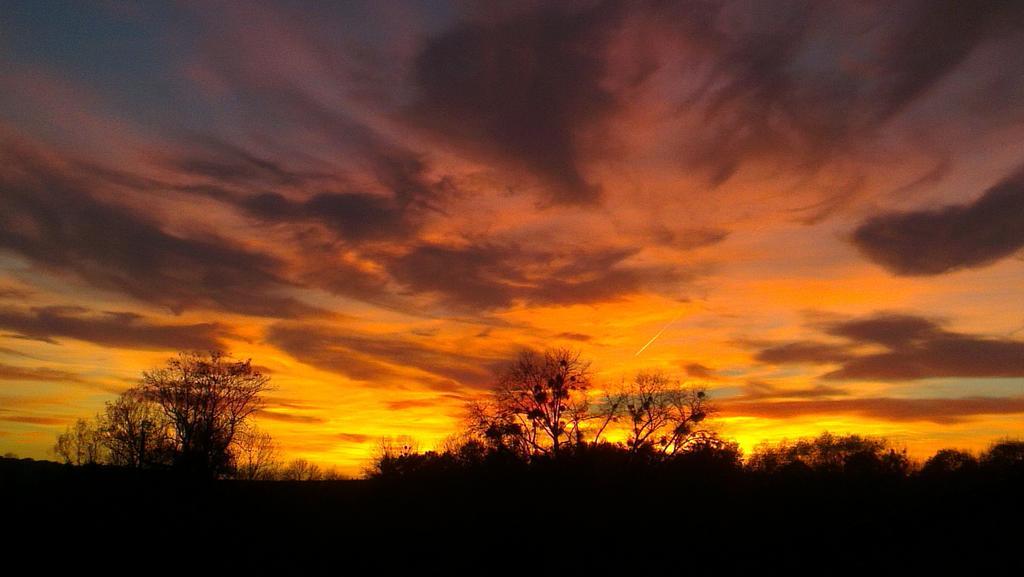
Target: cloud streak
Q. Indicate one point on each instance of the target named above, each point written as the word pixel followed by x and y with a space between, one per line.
pixel 43 374
pixel 490 275
pixel 380 359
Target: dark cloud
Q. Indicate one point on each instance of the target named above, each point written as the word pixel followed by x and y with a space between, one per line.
pixel 287 403
pixel 934 37
pixel 695 238
pixel 315 346
pixel 232 164
pixel 760 391
pixel 749 87
pixel 406 190
pixel 951 355
pixel 353 437
pixel 15 373
pixel 14 353
pixel 52 217
pixel 522 90
pixel 352 216
pixel 801 83
pixel 931 242
pixel 359 220
pixel 475 276
pixel 12 293
pixel 912 348
pixel 942 411
pixel 433 402
pixel 304 88
pixel 700 371
pixel 489 276
pixel 796 84
pixel 891 330
pixel 321 267
pixel 575 336
pixel 111 329
pixel 411 404
pixel 378 359
pixel 33 420
pixel 290 418
pixel 804 352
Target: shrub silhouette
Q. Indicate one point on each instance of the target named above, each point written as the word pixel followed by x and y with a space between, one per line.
pixel 1004 460
pixel 946 462
pixel 828 453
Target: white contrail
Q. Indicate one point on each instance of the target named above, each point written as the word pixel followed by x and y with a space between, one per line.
pixel 655 337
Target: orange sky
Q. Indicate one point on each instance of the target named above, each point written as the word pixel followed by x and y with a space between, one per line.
pixel 822 207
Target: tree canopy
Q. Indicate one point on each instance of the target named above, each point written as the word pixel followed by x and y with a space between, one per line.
pixel 207 400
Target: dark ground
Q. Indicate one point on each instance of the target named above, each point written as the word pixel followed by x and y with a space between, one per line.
pixel 538 522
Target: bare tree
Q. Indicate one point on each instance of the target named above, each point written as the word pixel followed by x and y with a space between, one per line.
pixel 391 455
pixel 608 410
pixel 540 403
pixel 135 431
pixel 659 412
pixel 79 444
pixel 256 455
pixel 331 474
pixel 301 470
pixel 502 430
pixel 207 400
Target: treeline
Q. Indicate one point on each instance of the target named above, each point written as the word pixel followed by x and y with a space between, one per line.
pixel 827 456
pixel 194 416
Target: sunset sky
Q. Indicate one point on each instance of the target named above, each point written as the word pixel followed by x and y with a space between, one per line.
pixel 818 206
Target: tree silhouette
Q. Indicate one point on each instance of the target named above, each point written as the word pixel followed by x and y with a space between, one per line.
pixel 135 431
pixel 949 461
pixel 659 412
pixel 539 405
pixel 256 455
pixel 207 400
pixel 1006 455
pixel 301 470
pixel 828 453
pixel 393 457
pixel 79 444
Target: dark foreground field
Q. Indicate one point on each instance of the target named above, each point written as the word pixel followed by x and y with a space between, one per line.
pixel 534 522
